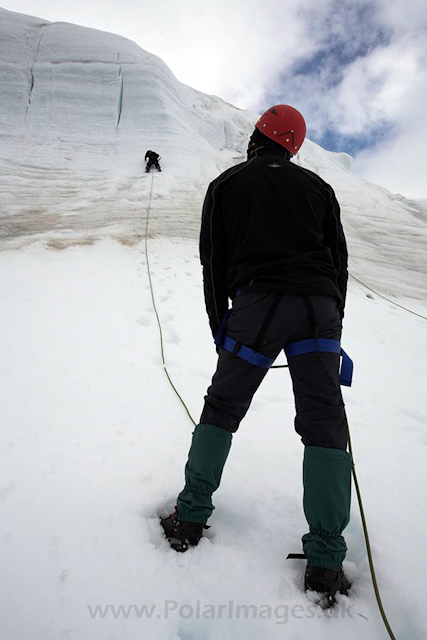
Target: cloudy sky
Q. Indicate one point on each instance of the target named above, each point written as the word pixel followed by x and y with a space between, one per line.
pixel 356 69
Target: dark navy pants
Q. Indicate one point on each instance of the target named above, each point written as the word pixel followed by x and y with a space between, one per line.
pixel 152 163
pixel 320 415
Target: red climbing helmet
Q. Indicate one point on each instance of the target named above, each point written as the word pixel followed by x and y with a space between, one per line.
pixel 285 125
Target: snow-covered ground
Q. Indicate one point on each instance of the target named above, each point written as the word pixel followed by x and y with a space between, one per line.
pixel 93 440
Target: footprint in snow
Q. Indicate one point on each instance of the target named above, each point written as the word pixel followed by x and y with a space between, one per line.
pixel 146 322
pixel 7 491
pixel 167 317
pixel 173 338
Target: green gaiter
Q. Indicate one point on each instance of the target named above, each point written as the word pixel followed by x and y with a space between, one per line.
pixel 206 459
pixel 327 494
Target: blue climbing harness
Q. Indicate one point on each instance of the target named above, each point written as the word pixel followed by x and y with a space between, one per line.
pixel 313 345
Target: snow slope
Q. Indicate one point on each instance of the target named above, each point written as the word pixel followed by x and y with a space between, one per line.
pixel 93 439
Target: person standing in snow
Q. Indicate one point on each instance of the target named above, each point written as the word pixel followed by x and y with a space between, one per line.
pixel 152 158
pixel 271 240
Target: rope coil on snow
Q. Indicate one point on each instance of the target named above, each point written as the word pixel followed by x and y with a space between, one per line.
pixel 356 483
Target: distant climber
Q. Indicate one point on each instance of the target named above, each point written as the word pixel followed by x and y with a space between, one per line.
pixel 152 159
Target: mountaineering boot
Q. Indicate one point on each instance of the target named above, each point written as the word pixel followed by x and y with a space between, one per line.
pixel 327 583
pixel 208 452
pixel 181 535
pixel 327 493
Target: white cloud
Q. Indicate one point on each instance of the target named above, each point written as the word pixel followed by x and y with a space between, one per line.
pixel 374 88
pixel 400 163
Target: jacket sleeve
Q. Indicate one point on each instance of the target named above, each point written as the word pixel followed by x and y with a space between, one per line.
pixel 214 259
pixel 335 240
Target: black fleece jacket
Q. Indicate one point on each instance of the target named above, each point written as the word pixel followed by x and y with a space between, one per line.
pixel 270 225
